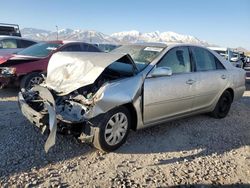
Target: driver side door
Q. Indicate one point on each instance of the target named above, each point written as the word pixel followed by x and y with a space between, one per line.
pixel 169 96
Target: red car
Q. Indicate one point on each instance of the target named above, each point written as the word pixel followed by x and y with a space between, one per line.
pixel 27 67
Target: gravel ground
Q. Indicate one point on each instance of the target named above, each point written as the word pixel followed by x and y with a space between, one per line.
pixel 197 151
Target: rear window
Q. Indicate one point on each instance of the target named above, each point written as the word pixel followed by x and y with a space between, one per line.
pixel 8 43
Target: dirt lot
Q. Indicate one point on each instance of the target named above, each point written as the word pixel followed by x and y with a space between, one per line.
pixel 198 151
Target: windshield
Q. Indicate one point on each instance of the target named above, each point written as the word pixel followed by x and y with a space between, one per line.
pixel 39 50
pixel 142 55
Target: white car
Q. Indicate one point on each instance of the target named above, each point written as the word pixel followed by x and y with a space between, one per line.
pixel 230 55
pixel 13 44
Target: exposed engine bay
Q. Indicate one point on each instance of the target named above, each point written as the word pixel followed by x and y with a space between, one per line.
pixel 60 105
pixel 70 109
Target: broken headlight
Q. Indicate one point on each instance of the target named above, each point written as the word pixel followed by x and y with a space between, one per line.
pixel 7 70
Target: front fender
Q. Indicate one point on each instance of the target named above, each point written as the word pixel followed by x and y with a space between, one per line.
pixel 116 94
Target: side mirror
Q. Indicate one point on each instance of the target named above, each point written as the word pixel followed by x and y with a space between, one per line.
pixel 162 71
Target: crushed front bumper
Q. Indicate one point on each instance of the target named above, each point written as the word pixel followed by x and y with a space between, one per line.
pixel 33 116
pixel 49 120
pixel 4 81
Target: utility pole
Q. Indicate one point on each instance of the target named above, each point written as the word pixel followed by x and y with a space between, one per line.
pixel 90 38
pixel 56 32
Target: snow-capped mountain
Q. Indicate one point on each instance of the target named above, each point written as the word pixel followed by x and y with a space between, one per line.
pixel 165 37
pixel 115 38
pixel 68 34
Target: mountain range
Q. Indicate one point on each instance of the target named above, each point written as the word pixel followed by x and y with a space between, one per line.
pixel 115 38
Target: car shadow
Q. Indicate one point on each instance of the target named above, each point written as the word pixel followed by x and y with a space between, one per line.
pixel 8 92
pixel 22 145
pixel 212 186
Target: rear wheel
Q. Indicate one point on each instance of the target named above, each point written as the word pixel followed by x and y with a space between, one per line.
pixel 112 130
pixel 31 80
pixel 223 106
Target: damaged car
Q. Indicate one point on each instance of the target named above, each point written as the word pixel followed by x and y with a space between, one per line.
pixel 28 67
pixel 100 97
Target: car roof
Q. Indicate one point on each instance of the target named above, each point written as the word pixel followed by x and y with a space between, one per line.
pixel 149 44
pixel 218 48
pixel 65 42
pixel 14 37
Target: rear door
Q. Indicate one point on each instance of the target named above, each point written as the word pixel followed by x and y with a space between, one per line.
pixel 168 96
pixel 211 76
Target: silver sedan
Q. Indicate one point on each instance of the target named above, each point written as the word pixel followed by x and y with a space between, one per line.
pixel 99 97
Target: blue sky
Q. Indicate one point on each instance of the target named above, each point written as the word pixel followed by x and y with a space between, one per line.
pixel 222 22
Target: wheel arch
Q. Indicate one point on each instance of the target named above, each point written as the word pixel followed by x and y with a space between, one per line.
pixel 231 91
pixel 34 71
pixel 133 114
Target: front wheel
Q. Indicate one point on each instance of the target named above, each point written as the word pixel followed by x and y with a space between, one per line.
pixel 30 80
pixel 112 130
pixel 223 106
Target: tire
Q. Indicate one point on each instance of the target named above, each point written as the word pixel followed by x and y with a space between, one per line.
pixel 30 80
pixel 223 106
pixel 106 136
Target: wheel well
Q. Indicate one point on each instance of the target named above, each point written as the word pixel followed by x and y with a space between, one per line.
pixel 133 114
pixel 22 76
pixel 231 91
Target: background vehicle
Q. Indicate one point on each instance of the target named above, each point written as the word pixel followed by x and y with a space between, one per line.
pixel 27 66
pixel 10 29
pixel 100 101
pixel 106 47
pixel 247 62
pixel 11 44
pixel 230 55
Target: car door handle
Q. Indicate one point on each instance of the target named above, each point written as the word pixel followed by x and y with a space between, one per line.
pixel 223 76
pixel 190 81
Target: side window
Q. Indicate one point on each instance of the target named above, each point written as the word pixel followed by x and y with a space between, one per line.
pixel 93 49
pixel 177 59
pixel 9 43
pixel 205 60
pixel 72 48
pixel 218 63
pixel 25 43
pixel 85 47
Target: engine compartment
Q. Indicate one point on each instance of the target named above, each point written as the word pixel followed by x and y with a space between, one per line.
pixel 71 108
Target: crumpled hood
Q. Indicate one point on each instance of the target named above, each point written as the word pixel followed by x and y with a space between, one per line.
pixel 68 71
pixel 4 58
pixel 10 58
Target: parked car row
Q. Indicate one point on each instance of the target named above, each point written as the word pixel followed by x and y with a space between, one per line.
pixel 237 58
pixel 11 44
pixel 10 29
